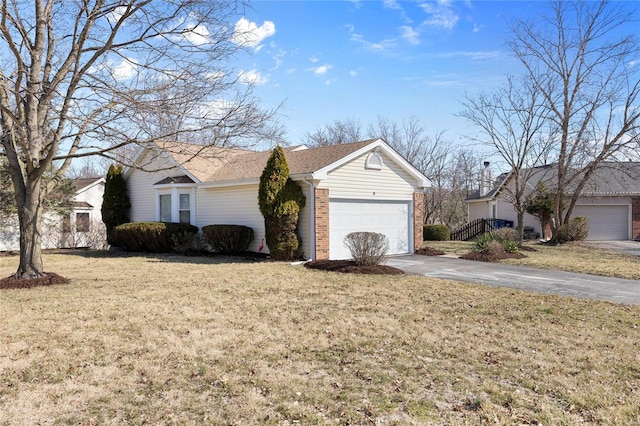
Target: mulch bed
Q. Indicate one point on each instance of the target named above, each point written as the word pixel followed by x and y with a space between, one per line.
pixel 428 251
pixel 350 267
pixel 49 278
pixel 488 257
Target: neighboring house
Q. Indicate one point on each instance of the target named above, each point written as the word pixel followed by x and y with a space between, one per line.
pixel 81 227
pixel 610 200
pixel 361 186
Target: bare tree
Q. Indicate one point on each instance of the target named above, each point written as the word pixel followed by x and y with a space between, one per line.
pixel 583 60
pixel 338 132
pixel 81 78
pixel 431 154
pixel 512 122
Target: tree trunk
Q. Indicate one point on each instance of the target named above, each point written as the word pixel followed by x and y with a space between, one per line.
pixel 30 218
pixel 520 227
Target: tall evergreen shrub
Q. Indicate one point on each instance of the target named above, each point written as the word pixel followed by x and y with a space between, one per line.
pixel 115 201
pixel 280 201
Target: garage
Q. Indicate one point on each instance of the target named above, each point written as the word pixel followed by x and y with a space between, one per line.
pixel 606 222
pixel 391 218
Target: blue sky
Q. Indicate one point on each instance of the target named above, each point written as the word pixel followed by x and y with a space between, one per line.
pixel 331 60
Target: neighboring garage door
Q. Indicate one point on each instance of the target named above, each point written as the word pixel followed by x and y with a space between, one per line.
pixel 387 217
pixel 605 222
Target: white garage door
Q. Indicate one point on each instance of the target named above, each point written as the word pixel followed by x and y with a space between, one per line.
pixel 605 222
pixel 390 218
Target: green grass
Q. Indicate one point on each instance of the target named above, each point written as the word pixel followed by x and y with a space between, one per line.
pixel 183 340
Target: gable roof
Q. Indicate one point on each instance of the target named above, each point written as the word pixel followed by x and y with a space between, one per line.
pixel 300 161
pixel 609 179
pixel 83 183
pixel 227 166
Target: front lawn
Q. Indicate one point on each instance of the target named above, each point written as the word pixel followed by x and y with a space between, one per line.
pixel 572 257
pixel 186 340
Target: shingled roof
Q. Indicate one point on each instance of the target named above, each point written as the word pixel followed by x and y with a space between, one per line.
pixel 609 179
pixel 213 164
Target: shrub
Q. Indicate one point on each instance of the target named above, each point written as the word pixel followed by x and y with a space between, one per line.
pixel 115 201
pixel 436 233
pixel 280 200
pixel 228 239
pixel 495 247
pixel 367 248
pixel 153 237
pixel 505 237
pixel 577 229
pixel 506 234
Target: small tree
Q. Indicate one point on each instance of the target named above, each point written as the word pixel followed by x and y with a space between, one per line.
pixel 115 201
pixel 542 206
pixel 280 200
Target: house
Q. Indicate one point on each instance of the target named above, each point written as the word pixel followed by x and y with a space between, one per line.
pixel 360 186
pixel 610 200
pixel 81 227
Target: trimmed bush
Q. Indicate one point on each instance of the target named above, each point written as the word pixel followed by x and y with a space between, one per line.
pixel 577 229
pixel 280 200
pixel 115 201
pixel 367 248
pixel 436 233
pixel 153 237
pixel 228 239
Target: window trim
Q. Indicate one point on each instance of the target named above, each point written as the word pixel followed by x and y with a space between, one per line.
pixel 175 190
pixel 373 161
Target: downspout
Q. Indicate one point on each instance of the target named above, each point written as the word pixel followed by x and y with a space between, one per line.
pixel 313 217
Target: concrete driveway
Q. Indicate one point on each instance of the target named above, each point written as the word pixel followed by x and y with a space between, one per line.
pixel 523 278
pixel 625 247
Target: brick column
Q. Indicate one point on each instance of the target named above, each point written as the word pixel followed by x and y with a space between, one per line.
pixel 322 223
pixel 418 211
pixel 635 218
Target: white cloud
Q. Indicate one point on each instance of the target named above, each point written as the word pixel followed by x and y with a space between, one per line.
pixel 322 69
pixel 115 15
pixel 477 28
pixel 248 33
pixel 353 73
pixel 411 35
pixel 474 55
pixel 376 47
pixel 314 59
pixel 441 14
pixel 196 34
pixel 125 70
pixel 391 4
pixel 252 77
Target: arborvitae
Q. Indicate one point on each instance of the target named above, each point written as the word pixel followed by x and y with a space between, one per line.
pixel 280 200
pixel 115 201
pixel 273 179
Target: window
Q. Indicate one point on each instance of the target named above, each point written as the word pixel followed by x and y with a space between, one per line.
pixel 165 208
pixel 83 222
pixel 373 161
pixel 185 208
pixel 66 224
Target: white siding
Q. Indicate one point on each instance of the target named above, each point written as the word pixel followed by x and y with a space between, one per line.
pixel 353 180
pixel 236 205
pixel 52 236
pixel 141 191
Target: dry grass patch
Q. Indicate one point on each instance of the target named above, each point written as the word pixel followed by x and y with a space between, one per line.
pixel 580 257
pixel 177 340
pixel 572 257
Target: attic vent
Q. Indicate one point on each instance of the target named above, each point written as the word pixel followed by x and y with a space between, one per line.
pixel 374 161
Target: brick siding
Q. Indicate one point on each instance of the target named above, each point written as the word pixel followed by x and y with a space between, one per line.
pixel 635 218
pixel 322 223
pixel 418 204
